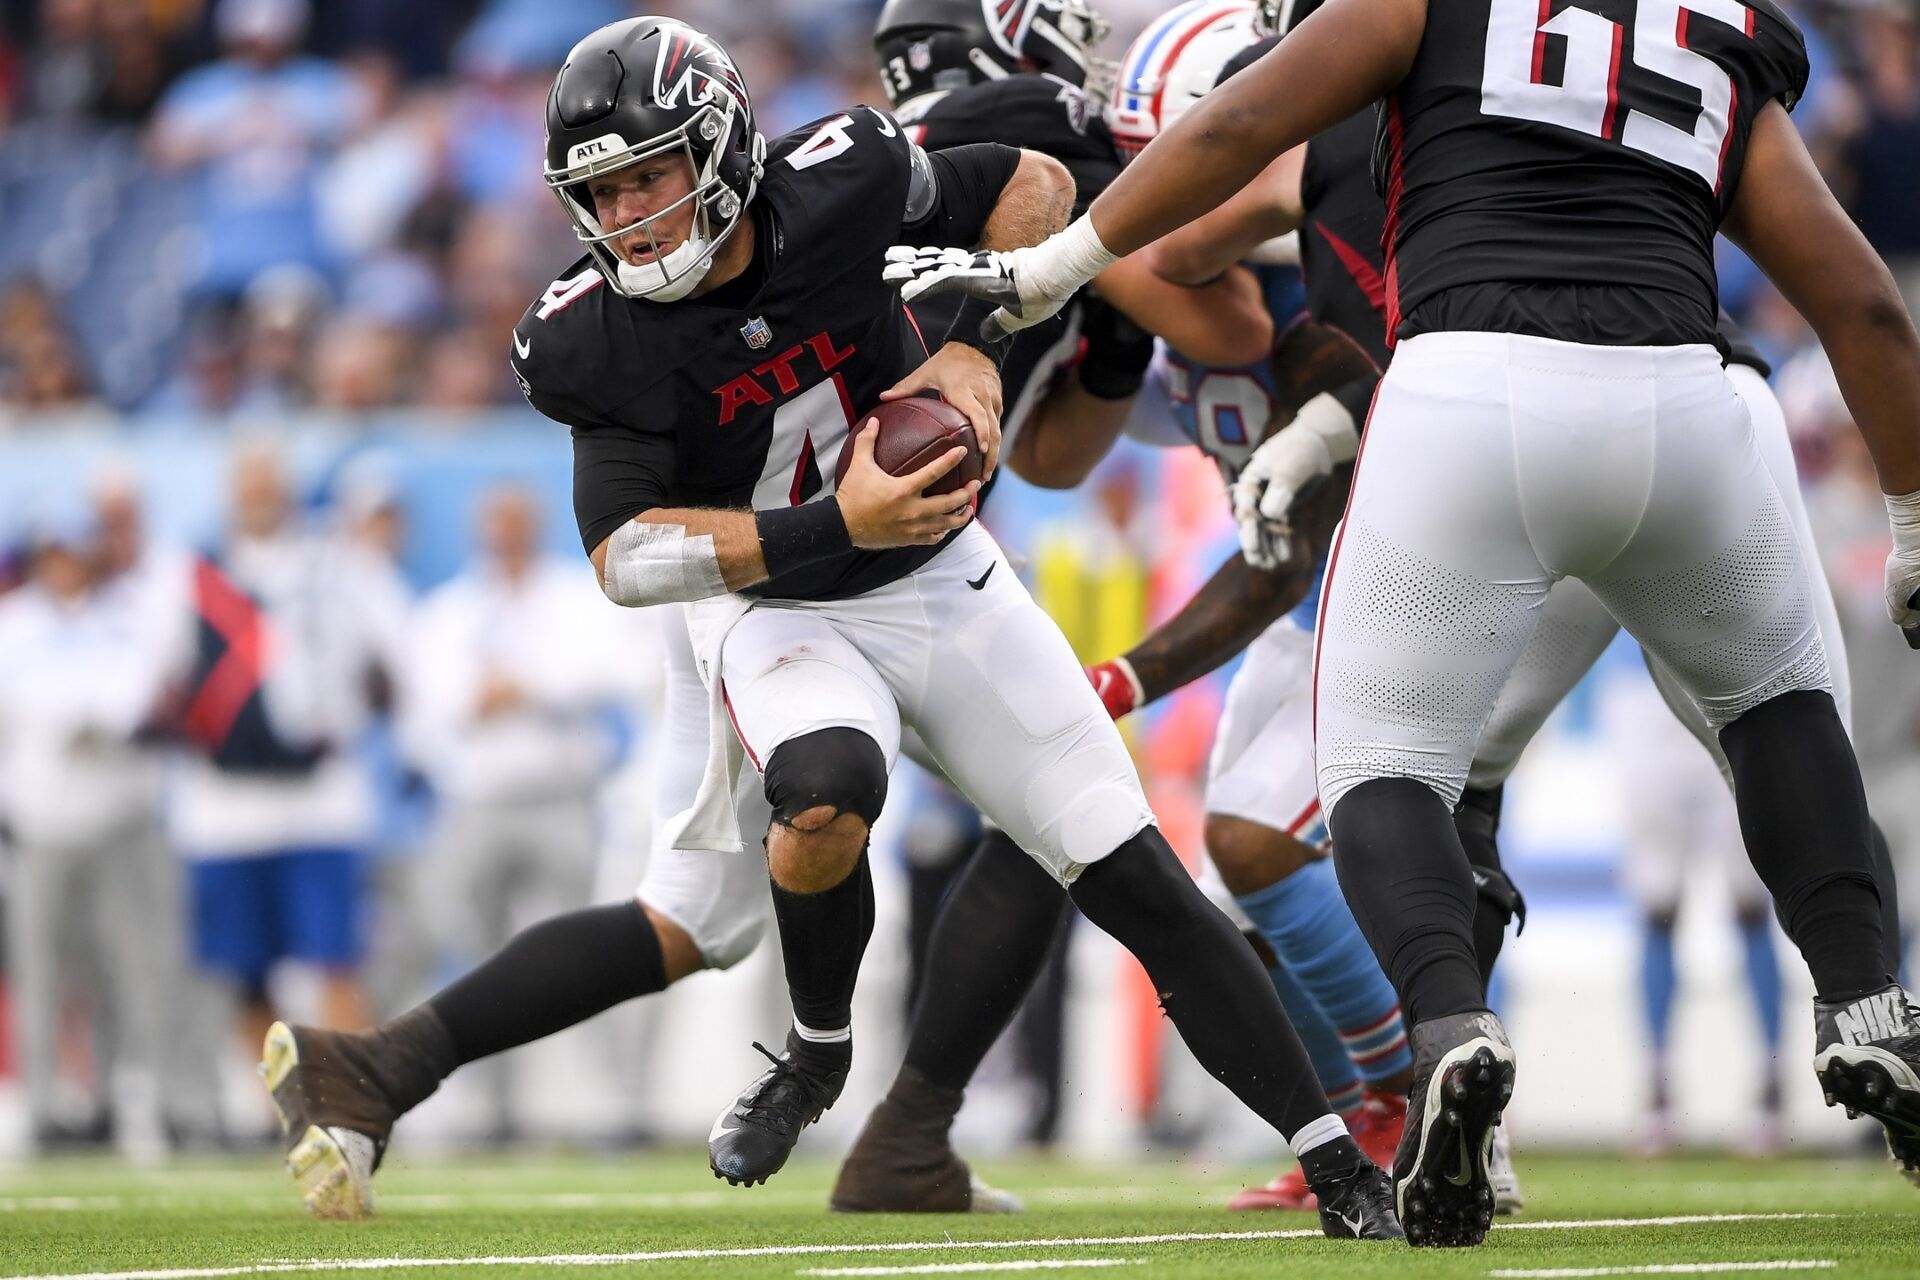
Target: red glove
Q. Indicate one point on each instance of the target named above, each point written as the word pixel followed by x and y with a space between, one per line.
pixel 1118 687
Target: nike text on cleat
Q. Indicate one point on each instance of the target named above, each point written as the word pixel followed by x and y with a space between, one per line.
pixel 1463 1076
pixel 1359 1206
pixel 753 1138
pixel 1867 1055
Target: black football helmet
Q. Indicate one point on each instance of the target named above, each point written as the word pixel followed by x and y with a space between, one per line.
pixel 1277 17
pixel 925 46
pixel 641 88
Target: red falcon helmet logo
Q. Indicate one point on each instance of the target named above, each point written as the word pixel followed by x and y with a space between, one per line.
pixel 688 68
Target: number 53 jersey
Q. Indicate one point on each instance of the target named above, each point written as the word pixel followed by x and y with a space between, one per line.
pixel 1560 167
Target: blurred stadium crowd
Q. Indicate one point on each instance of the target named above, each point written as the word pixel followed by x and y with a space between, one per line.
pixel 258 264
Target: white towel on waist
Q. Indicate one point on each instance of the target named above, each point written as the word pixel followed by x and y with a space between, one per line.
pixel 712 824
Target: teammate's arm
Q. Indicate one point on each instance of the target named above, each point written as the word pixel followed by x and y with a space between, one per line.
pixel 1223 322
pixel 1032 204
pixel 1342 57
pixel 1223 617
pixel 1211 244
pixel 1786 218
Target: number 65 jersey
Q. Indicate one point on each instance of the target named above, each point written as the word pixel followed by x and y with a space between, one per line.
pixel 1560 167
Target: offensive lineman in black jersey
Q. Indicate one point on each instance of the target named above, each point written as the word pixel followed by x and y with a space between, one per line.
pixel 1553 186
pixel 824 627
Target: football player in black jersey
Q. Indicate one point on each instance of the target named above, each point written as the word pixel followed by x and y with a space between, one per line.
pixel 1556 407
pixel 825 619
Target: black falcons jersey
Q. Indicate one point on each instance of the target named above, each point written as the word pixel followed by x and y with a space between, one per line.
pixel 1037 113
pixel 1561 169
pixel 1340 253
pixel 732 401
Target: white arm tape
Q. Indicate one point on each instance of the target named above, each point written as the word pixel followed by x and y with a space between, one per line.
pixel 1280 251
pixel 1903 518
pixel 1060 264
pixel 651 563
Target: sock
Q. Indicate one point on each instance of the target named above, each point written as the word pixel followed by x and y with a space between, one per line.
pixel 1210 982
pixel 1763 980
pixel 550 976
pixel 1658 981
pixel 1804 818
pixel 822 938
pixel 1883 875
pixel 1477 820
pixel 989 941
pixel 1411 890
pixel 1331 1062
pixel 1306 921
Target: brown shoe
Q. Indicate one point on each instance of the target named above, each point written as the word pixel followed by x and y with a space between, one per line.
pixel 338 1094
pixel 904 1162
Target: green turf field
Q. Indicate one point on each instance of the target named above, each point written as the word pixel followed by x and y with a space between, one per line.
pixel 660 1214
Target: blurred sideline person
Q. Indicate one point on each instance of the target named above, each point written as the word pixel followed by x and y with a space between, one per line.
pixel 93 894
pixel 512 666
pixel 1680 824
pixel 292 631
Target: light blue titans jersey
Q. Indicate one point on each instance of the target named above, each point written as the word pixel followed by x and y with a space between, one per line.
pixel 1227 410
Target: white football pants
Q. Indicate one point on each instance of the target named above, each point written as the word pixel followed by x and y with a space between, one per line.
pixel 1495 465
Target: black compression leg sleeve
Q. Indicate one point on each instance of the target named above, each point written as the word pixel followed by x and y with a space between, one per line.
pixel 1478 822
pixel 1411 889
pixel 822 938
pixel 1883 875
pixel 550 976
pixel 1210 982
pixel 989 941
pixel 1804 818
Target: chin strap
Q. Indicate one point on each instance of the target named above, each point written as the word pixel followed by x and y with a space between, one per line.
pixel 672 278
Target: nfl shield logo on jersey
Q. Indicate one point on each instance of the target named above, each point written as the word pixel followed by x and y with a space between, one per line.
pixel 756 332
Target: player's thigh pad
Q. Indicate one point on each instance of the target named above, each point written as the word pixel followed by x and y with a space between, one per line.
pixel 1572 631
pixel 1005 709
pixel 1712 580
pixel 790 671
pixel 1261 767
pixel 1432 582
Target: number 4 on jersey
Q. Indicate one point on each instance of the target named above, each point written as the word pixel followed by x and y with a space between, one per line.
pixel 1587 99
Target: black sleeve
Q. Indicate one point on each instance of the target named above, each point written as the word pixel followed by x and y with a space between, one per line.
pixel 618 473
pixel 969 180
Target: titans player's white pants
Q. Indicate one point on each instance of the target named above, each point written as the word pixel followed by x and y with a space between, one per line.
pixel 1495 465
pixel 1261 769
pixel 959 653
pixel 1574 628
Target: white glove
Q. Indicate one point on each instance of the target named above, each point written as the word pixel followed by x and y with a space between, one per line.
pixel 1903 564
pixel 1029 284
pixel 1320 438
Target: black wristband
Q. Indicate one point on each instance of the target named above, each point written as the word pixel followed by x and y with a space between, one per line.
pixel 791 537
pixel 966 326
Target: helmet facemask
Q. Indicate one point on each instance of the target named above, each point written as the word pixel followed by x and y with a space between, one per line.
pixel 717 211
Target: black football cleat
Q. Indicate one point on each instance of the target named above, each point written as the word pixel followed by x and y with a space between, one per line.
pixel 334 1117
pixel 753 1138
pixel 1359 1206
pixel 1462 1078
pixel 904 1161
pixel 1867 1055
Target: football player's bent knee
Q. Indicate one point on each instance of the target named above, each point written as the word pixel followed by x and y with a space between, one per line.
pixel 1251 856
pixel 815 778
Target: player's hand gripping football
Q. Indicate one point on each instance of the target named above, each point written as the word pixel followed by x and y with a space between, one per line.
pixel 970 382
pixel 883 511
pixel 1286 465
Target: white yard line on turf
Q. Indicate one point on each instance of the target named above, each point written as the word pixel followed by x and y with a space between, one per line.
pixel 964 1268
pixel 807 1250
pixel 1673 1269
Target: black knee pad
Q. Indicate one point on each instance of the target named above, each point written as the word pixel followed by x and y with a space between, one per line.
pixel 840 767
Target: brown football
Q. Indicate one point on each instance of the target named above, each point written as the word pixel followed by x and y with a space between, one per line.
pixel 913 433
